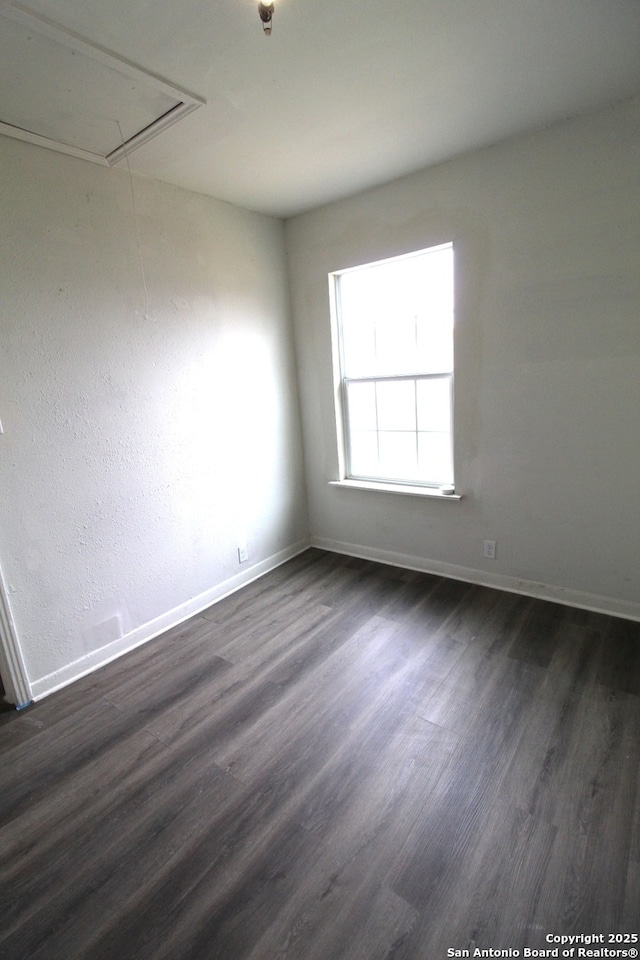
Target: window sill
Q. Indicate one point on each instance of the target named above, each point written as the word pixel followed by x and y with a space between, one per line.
pixel 405 489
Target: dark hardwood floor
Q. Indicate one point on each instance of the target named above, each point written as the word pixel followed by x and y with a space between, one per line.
pixel 343 761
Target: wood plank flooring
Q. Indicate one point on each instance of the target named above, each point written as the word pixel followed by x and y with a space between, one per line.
pixel 343 761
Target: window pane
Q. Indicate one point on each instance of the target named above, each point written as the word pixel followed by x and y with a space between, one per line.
pixel 358 342
pixel 363 454
pixel 396 405
pixel 398 455
pixel 397 317
pixel 434 348
pixel 434 457
pixel 396 342
pixel 361 399
pixel 434 405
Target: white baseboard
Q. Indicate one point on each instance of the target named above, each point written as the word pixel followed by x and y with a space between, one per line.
pixel 148 631
pixel 626 609
pixel 45 686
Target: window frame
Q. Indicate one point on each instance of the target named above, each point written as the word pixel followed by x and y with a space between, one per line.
pixel 347 477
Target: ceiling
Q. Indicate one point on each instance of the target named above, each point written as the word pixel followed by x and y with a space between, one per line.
pixel 344 94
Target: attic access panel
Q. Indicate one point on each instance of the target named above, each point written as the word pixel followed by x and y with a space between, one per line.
pixel 61 91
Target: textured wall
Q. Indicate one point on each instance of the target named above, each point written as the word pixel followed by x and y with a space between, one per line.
pixel 547 238
pixel 142 440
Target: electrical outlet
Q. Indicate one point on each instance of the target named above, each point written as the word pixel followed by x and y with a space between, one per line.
pixel 243 553
pixel 489 549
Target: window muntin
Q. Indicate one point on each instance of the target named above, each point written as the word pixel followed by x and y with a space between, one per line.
pixel 395 330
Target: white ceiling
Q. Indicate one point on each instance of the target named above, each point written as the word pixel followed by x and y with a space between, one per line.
pixel 347 94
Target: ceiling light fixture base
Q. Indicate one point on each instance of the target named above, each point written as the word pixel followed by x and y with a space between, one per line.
pixel 266 15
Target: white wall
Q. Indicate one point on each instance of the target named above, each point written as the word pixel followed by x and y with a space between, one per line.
pixel 141 442
pixel 547 238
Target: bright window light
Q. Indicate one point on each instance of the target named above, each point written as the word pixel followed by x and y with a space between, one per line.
pixel 394 327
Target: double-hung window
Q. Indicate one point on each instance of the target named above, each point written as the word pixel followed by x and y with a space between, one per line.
pixel 394 325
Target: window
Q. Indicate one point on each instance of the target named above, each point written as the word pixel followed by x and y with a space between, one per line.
pixel 394 325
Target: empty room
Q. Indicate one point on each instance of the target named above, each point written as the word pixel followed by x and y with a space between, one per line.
pixel 319 460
